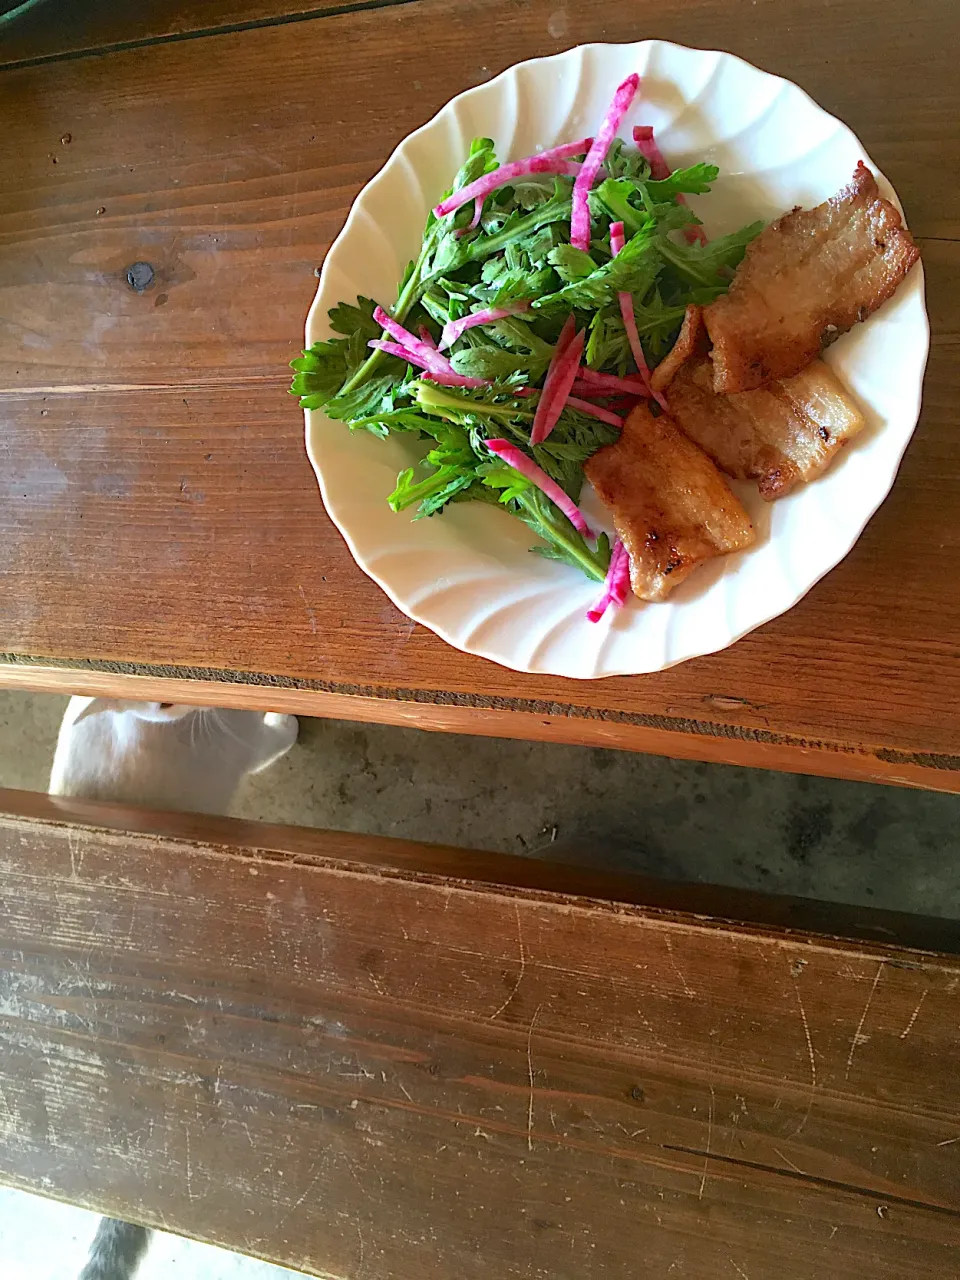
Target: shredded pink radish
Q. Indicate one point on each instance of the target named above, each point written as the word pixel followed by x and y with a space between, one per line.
pixel 659 169
pixel 565 150
pixel 594 411
pixel 630 320
pixel 428 356
pixel 516 458
pixel 404 353
pixel 631 385
pixel 633 337
pixel 553 161
pixel 643 137
pixel 453 328
pixel 475 220
pixel 616 585
pixel 580 218
pixel 426 336
pixel 445 377
pixel 559 380
pixel 453 379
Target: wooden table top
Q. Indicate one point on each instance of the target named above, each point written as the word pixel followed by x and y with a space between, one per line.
pixel 161 532
pixel 375 1060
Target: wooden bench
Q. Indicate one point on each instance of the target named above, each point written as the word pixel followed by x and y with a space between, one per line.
pixel 371 1058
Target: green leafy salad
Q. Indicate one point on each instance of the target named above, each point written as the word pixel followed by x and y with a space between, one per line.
pixel 544 291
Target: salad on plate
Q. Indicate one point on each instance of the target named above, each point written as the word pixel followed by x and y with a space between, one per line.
pixel 567 320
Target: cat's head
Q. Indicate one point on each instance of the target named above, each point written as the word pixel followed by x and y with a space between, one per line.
pixel 156 712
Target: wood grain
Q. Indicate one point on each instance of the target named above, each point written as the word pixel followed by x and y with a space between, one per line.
pixel 156 511
pixel 49 33
pixel 357 1069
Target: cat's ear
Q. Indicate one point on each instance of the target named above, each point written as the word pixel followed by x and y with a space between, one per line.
pixel 82 708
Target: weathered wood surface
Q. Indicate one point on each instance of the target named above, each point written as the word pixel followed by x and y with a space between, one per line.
pixel 300 1045
pixel 53 30
pixel 157 514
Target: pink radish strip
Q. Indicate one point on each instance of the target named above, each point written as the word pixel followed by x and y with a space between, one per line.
pixel 545 162
pixel 563 341
pixel 616 583
pixel 630 321
pixel 404 353
pixel 444 377
pixel 427 353
pixel 559 380
pixel 453 379
pixel 659 169
pixel 643 137
pixel 586 391
pixel 453 328
pixel 633 337
pixel 594 411
pixel 516 458
pixel 580 217
pixel 426 336
pixel 475 220
pixel 629 386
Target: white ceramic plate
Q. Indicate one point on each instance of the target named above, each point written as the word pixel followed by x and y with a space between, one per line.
pixel 468 575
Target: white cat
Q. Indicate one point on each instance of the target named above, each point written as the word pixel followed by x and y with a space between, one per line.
pixel 163 755
pixel 158 755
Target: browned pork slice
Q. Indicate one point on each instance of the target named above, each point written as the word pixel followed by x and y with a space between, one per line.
pixel 779 435
pixel 671 506
pixel 808 277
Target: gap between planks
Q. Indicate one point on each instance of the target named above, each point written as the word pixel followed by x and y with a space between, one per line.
pixel 226 28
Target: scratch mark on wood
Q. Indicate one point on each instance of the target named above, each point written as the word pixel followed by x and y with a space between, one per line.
pixel 739 1270
pixel 313 1178
pixel 913 1017
pixel 676 968
pixel 310 613
pixel 948 1142
pixel 523 966
pixel 190 1195
pixel 376 983
pixel 706 1158
pixel 856 1041
pixel 404 1090
pixel 810 1054
pixel 787 1160
pixel 75 844
pixel 360 1242
pixel 533 1023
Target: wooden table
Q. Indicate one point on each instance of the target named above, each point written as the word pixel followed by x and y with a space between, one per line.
pixel 161 534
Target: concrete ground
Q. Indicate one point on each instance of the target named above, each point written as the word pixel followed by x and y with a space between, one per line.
pixel 782 833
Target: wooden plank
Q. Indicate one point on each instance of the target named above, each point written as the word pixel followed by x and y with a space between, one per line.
pixel 102 24
pixel 355 1069
pixel 217 160
pixel 786 915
